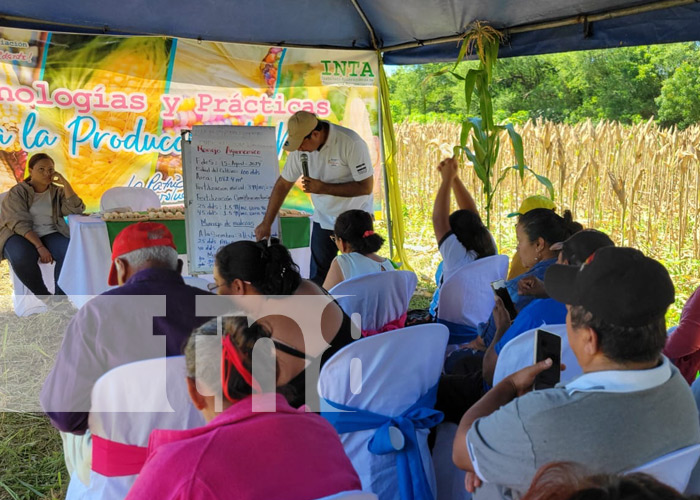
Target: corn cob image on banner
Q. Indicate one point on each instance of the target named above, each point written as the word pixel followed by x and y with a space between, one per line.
pixel 110 110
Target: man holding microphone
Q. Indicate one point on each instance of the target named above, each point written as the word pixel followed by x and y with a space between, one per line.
pixel 336 168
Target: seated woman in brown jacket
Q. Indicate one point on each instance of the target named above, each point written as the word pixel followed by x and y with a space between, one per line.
pixel 32 228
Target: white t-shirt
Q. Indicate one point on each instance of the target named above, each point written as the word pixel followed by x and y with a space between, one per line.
pixel 454 256
pixel 355 264
pixel 42 214
pixel 343 158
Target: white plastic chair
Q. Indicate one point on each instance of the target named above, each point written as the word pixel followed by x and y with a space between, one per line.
pixel 519 353
pixel 379 298
pixel 351 495
pixel 673 469
pixel 385 374
pixel 137 198
pixel 24 301
pixel 128 402
pixel 466 297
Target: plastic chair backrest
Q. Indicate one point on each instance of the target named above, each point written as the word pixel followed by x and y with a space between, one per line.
pixel 385 374
pixel 519 353
pixel 137 198
pixel 674 468
pixel 466 297
pixel 127 403
pixel 378 297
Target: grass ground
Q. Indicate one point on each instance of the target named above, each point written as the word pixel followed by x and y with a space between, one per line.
pixel 31 456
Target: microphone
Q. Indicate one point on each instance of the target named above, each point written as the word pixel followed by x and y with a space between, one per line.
pixel 305 164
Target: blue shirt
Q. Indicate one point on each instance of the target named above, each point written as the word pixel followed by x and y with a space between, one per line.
pixel 537 313
pixel 487 330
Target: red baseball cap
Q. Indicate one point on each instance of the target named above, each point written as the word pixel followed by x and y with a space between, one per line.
pixel 138 236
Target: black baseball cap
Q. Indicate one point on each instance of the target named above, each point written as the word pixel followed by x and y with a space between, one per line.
pixel 618 285
pixel 578 247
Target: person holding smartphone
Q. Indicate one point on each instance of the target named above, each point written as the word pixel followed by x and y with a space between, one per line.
pixel 630 405
pixel 543 310
pixel 32 228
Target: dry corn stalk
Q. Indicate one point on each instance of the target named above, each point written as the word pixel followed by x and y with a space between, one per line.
pixel 647 182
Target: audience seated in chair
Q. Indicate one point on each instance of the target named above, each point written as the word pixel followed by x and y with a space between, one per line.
pixel 32 228
pixel 461 236
pixel 466 297
pixel 150 315
pixel 529 203
pixel 358 244
pixel 607 418
pixel 277 297
pixel 255 446
pixel 574 251
pixel 536 231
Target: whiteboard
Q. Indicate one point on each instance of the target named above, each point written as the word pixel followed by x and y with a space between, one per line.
pixel 228 174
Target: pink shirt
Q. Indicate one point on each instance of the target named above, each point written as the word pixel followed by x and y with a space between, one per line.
pixel 683 345
pixel 244 455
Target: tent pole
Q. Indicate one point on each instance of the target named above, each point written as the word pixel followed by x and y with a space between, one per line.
pixel 359 10
pixel 580 19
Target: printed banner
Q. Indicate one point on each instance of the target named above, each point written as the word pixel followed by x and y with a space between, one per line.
pixel 110 110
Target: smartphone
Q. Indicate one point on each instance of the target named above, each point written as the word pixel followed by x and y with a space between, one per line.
pixel 548 345
pixel 499 288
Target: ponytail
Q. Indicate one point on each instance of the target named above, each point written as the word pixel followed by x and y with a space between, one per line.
pixel 269 268
pixel 546 224
pixel 355 227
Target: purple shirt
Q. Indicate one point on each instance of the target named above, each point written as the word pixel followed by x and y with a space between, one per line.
pixel 151 315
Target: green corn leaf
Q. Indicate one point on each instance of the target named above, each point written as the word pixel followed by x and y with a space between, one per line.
pixel 462 53
pixel 477 126
pixel 485 105
pixel 457 75
pixel 478 168
pixel 545 182
pixel 479 150
pixel 467 125
pixel 469 82
pixel 491 58
pixel 517 142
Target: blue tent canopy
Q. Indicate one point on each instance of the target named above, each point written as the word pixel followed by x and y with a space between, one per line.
pixel 407 31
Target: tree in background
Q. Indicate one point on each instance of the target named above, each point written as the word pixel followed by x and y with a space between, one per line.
pixel 629 84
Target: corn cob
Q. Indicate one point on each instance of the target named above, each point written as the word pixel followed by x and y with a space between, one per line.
pixel 134 65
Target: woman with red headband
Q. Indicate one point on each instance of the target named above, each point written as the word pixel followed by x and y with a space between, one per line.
pixel 358 243
pixel 254 444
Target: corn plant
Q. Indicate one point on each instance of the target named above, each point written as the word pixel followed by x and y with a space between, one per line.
pixel 485 135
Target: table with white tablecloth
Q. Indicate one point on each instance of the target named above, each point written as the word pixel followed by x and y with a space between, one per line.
pixel 89 256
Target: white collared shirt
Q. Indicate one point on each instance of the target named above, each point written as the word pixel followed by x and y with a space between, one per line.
pixel 343 158
pixel 621 380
